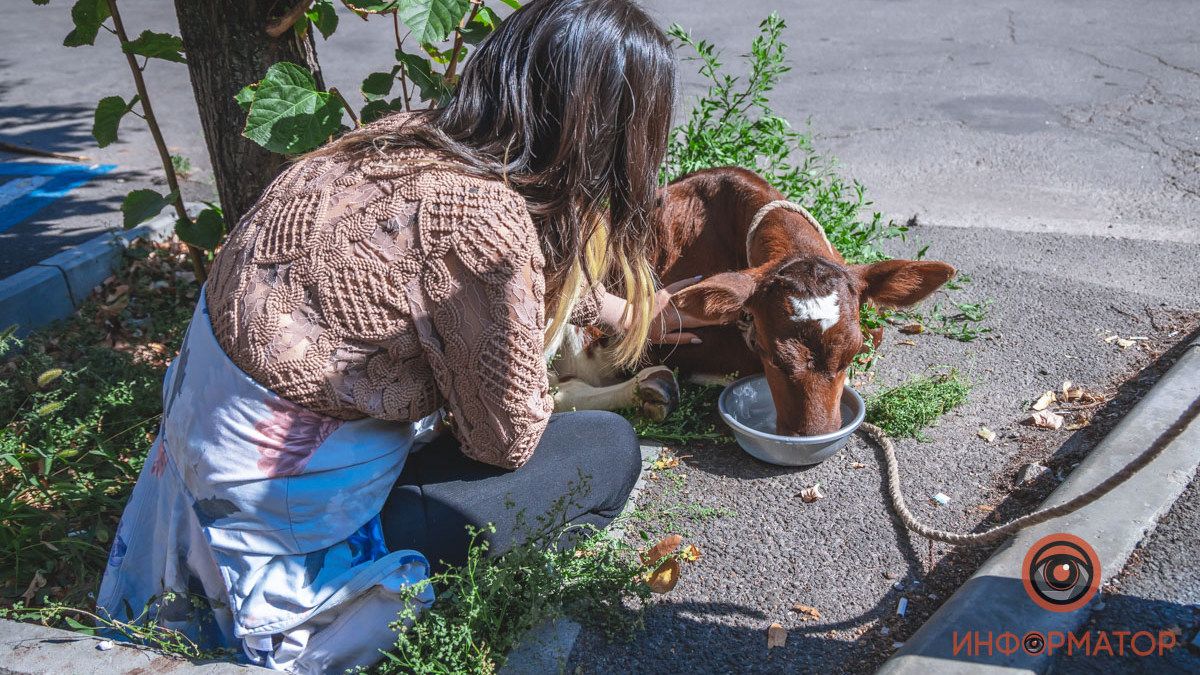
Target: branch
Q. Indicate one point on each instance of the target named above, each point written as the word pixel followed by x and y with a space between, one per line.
pixel 458 39
pixel 288 20
pixel 164 155
pixel 22 150
pixel 345 104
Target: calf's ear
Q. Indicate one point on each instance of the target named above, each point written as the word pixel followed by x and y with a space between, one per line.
pixel 719 298
pixel 899 283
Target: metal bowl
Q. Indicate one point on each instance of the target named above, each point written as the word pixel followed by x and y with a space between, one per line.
pixel 747 407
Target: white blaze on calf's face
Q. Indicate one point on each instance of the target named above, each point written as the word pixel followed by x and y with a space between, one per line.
pixel 823 309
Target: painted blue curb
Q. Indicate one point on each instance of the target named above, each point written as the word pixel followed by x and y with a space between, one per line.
pixel 39 185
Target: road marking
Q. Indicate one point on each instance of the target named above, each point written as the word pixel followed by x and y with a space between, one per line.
pixel 36 186
pixel 19 187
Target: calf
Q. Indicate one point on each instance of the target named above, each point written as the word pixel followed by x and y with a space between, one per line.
pixel 786 302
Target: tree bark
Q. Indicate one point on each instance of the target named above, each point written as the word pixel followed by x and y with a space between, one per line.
pixel 227 47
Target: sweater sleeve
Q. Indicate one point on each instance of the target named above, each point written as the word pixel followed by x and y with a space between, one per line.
pixel 587 309
pixel 485 301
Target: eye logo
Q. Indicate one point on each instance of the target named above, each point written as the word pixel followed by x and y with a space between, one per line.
pixel 1061 572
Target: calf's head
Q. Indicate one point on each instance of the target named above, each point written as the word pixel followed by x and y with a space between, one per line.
pixel 804 324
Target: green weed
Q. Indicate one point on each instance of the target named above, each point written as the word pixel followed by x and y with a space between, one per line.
pixel 692 422
pixel 962 321
pixel 733 124
pixel 79 404
pixel 906 410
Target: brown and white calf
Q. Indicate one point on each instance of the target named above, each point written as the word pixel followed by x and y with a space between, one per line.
pixel 786 301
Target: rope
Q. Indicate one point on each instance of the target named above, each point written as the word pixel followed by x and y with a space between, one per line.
pixel 790 206
pixel 910 521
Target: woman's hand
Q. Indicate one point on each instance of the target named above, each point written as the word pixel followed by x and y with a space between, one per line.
pixel 667 326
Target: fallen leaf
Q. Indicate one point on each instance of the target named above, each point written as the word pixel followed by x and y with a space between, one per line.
pixel 663 579
pixel 806 612
pixel 662 549
pixel 858 465
pixel 776 636
pixel 987 434
pixel 1045 419
pixel 908 343
pixel 986 508
pixel 35 584
pixel 666 460
pixel 912 329
pixel 1044 401
pixel 691 553
pixel 1078 424
pixel 811 494
pixel 1125 344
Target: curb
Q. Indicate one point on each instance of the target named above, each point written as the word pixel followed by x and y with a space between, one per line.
pixel 994 601
pixel 55 287
pixel 547 648
pixel 31 649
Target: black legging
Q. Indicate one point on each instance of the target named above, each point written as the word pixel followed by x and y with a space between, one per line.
pixel 441 491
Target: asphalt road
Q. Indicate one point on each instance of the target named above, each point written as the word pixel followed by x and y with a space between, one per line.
pixel 1048 149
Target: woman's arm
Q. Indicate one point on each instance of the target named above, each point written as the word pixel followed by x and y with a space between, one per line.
pixel 668 324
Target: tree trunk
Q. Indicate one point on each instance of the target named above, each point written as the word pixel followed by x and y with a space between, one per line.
pixel 227 48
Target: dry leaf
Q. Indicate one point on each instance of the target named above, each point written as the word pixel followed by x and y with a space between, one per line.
pixel 806 612
pixel 662 549
pixel 987 434
pixel 986 508
pixel 858 465
pixel 776 636
pixel 1044 401
pixel 912 329
pixel 1124 343
pixel 663 579
pixel 35 584
pixel 666 460
pixel 691 553
pixel 811 494
pixel 909 343
pixel 1044 419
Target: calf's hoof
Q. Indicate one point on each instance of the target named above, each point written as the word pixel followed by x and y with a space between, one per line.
pixel 657 392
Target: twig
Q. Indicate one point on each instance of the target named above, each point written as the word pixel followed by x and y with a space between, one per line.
pixel 288 20
pixel 164 155
pixel 458 39
pixel 22 150
pixel 345 104
pixel 403 69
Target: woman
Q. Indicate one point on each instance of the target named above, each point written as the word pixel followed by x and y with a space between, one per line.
pixel 407 278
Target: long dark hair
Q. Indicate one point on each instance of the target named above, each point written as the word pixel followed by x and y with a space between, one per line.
pixel 568 101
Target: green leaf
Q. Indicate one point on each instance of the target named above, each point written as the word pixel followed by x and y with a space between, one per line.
pixel 512 3
pixel 288 114
pixel 433 87
pixel 41 2
pixel 205 232
pixel 432 20
pixel 380 108
pixel 142 205
pixel 378 85
pixel 156 46
pixel 481 26
pixel 323 16
pixel 87 15
pixel 246 96
pixel 371 6
pixel 107 118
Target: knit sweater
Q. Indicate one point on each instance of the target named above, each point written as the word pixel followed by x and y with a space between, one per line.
pixel 390 287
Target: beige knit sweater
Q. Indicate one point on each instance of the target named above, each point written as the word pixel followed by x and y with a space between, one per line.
pixel 389 288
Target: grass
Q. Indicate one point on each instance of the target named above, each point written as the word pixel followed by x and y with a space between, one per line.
pixel 79 404
pixel 906 410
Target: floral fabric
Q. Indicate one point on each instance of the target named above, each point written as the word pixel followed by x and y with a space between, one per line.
pixel 255 524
